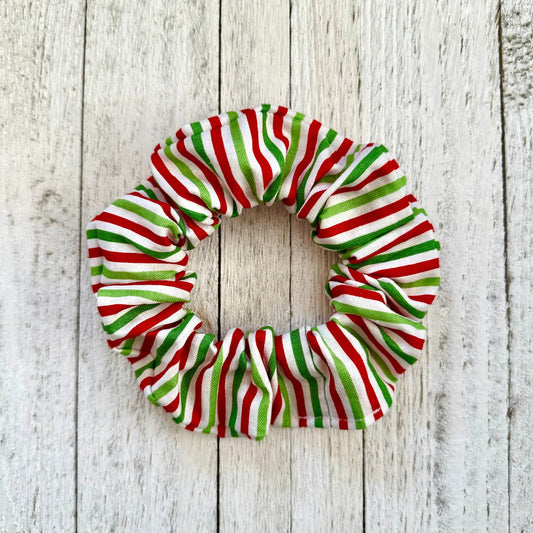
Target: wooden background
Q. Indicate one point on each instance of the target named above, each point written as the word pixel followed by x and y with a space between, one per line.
pixel 88 87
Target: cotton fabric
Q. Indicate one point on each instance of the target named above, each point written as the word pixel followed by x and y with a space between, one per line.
pixel 340 374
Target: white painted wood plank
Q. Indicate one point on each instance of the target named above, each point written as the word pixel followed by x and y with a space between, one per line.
pixel 41 47
pixel 517 62
pixel 255 485
pixel 327 464
pixel 146 75
pixel 430 92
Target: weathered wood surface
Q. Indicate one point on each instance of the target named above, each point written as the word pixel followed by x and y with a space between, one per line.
pixel 136 471
pixel 41 64
pixel 430 89
pixel 517 84
pixel 255 477
pixel 88 90
pixel 327 465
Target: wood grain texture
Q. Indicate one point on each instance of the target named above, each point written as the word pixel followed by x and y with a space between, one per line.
pixel 255 481
pixel 327 465
pixel 86 91
pixel 145 76
pixel 41 46
pixel 429 86
pixel 517 84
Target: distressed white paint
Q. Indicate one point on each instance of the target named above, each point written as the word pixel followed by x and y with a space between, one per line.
pixel 517 56
pixel 255 479
pixel 137 471
pixel 327 465
pixel 430 91
pixel 422 79
pixel 41 51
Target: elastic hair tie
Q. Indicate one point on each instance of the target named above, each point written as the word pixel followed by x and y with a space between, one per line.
pixel 340 374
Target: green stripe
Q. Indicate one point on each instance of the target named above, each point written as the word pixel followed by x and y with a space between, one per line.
pixel 109 236
pixel 398 298
pixel 240 150
pixel 127 317
pixel 363 165
pixel 155 219
pixel 347 248
pixel 153 275
pixel 127 346
pixel 377 358
pixel 331 178
pixel 148 192
pixel 215 383
pixel 384 389
pixel 169 340
pixel 426 282
pixel 151 295
pixel 286 420
pixel 366 198
pixel 390 318
pixel 348 385
pixel 203 350
pixel 293 147
pixel 275 188
pixel 400 254
pixel 187 172
pixel 273 149
pixel 304 371
pixel 198 144
pixel 262 412
pixel 325 143
pixel 237 380
pixel 396 349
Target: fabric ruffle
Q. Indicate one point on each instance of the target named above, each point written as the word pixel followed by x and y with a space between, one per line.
pixel 340 374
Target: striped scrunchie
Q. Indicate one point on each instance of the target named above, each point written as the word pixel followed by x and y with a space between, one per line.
pixel 339 374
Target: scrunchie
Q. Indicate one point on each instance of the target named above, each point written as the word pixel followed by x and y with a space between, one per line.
pixel 340 374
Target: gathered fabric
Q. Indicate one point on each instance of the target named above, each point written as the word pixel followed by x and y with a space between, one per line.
pixel 340 374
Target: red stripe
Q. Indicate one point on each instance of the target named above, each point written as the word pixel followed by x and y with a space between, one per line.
pixel 149 323
pixel 125 223
pixel 362 220
pixel 266 169
pixel 424 298
pixel 148 342
pixel 181 191
pixel 209 175
pixel 350 290
pixel 278 126
pixel 414 232
pixel 339 406
pixel 108 310
pixel 407 270
pixel 276 405
pixel 413 340
pixel 377 346
pixel 246 405
pixel 260 337
pixel 325 167
pixel 298 389
pixel 131 257
pixel 384 170
pixel 178 357
pixel 197 407
pixel 194 227
pixel 221 395
pixel 173 405
pixel 222 158
pixel 357 359
pixel 312 136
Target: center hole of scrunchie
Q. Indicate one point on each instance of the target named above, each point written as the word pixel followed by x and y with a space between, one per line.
pixel 271 273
